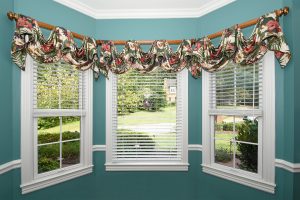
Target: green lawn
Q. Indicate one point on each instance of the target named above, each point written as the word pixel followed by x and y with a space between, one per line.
pixel 72 126
pixel 165 115
pixel 223 141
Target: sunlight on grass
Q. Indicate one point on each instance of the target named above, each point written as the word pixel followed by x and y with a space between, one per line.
pixel 223 140
pixel 72 127
pixel 166 115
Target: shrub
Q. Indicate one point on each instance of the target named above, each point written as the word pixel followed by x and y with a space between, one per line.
pixel 227 126
pixel 47 164
pixel 222 155
pixel 49 154
pixel 134 139
pixel 54 137
pixel 248 131
pixel 49 122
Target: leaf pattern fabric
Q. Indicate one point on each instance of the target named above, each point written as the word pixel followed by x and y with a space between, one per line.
pixel 60 46
pixel 195 54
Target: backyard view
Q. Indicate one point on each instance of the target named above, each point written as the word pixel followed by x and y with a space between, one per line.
pixel 58 137
pixel 146 126
pixel 146 110
pixel 236 142
pixel 237 89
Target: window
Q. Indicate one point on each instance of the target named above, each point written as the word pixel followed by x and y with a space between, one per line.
pixel 146 127
pixel 56 124
pixel 239 124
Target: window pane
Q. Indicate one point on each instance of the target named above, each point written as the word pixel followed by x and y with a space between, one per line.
pixel 224 127
pixel 57 87
pixel 70 153
pixel 48 158
pixel 247 130
pixel 224 152
pixel 48 129
pixel 70 128
pixel 236 142
pixel 146 123
pixel 246 157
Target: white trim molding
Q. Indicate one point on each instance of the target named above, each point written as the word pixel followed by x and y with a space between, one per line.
pixel 55 179
pixel 195 147
pixel 146 167
pixel 244 180
pixel 103 13
pixel 99 147
pixel 6 167
pixel 292 167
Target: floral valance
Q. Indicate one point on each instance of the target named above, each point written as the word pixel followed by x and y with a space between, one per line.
pixel 195 56
pixel 60 45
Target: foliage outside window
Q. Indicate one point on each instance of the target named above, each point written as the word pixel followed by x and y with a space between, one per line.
pixel 58 88
pixel 236 95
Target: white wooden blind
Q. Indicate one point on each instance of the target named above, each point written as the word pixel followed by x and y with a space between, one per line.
pixel 237 88
pixel 156 134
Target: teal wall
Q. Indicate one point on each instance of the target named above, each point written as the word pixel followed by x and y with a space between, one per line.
pixel 6 32
pixel 191 185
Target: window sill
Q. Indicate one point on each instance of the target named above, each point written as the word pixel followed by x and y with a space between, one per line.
pixel 55 179
pixel 147 167
pixel 241 179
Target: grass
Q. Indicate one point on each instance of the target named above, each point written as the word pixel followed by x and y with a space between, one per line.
pixel 223 141
pixel 72 127
pixel 165 115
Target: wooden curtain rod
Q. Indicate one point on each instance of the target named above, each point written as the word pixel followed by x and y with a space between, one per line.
pixel 279 13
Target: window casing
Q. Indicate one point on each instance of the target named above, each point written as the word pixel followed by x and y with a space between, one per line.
pixel 232 98
pixel 149 146
pixel 56 93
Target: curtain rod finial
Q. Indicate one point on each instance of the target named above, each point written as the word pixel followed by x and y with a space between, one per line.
pixel 11 15
pixel 283 11
pixel 286 10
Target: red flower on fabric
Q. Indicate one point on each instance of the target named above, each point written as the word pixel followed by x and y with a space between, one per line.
pixel 273 25
pixel 230 47
pixel 172 60
pixel 106 47
pixel 194 70
pixel 197 46
pixel 216 54
pixel 248 49
pixel 279 54
pixel 118 61
pixel 47 47
pixel 80 53
pixel 23 22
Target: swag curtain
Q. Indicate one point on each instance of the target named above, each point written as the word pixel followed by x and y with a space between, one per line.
pixel 201 54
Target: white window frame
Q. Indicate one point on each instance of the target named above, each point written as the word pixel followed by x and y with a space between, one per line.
pixel 265 178
pixel 30 180
pixel 182 165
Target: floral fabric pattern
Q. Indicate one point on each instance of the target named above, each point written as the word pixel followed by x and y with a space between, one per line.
pixel 28 39
pixel 194 55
